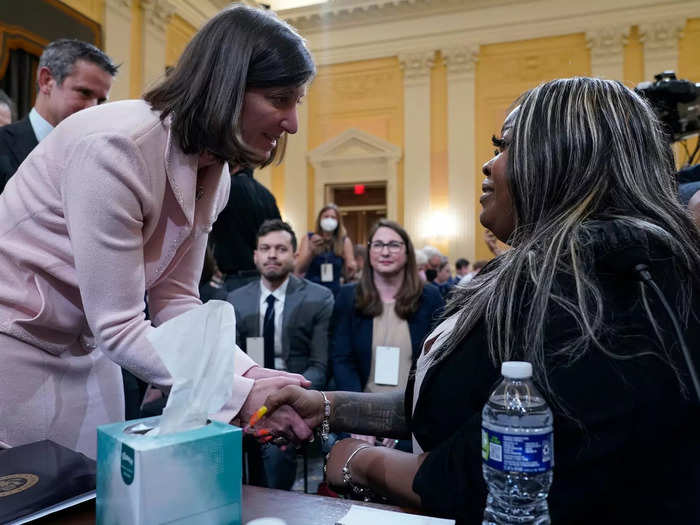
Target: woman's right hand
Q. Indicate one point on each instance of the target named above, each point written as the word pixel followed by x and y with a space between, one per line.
pixel 309 404
pixel 317 241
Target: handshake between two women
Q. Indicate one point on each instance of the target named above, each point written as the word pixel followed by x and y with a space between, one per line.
pixel 352 464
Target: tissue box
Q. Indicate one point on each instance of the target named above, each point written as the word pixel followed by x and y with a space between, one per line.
pixel 187 477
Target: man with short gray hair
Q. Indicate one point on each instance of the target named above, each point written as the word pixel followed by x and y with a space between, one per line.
pixel 71 75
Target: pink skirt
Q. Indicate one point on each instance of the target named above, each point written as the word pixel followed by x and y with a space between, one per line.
pixel 59 397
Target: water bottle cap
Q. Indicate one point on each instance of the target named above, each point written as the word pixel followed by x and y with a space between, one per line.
pixel 516 369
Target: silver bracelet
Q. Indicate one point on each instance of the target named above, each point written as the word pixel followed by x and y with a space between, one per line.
pixel 325 424
pixel 363 492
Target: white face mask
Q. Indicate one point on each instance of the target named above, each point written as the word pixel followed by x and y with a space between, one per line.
pixel 329 224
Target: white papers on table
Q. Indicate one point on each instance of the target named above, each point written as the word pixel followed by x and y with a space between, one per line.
pixel 358 515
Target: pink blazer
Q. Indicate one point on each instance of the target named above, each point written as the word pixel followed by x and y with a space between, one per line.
pixel 104 208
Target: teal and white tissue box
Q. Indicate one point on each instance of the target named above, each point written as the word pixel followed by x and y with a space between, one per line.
pixel 191 477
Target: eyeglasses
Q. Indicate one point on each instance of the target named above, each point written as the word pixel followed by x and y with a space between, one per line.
pixel 378 246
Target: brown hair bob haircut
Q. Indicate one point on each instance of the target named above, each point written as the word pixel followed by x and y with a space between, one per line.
pixel 241 47
pixel 367 300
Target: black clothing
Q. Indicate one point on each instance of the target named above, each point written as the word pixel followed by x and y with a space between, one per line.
pixel 235 231
pixel 17 140
pixel 628 453
pixel 688 183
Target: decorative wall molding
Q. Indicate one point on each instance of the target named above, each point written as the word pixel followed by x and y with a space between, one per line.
pixel 417 65
pixel 607 46
pixel 381 32
pixel 118 4
pixel 348 13
pixel 353 156
pixel 461 60
pixel 157 13
pixel 661 34
pixel 351 145
pixel 607 42
pixel 660 39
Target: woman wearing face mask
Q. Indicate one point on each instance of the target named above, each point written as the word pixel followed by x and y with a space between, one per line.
pixel 324 253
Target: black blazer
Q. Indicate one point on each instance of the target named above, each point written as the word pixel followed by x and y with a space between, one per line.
pixel 626 449
pixel 351 341
pixel 17 140
pixel 235 230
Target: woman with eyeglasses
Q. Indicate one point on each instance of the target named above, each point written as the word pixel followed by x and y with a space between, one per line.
pixel 380 322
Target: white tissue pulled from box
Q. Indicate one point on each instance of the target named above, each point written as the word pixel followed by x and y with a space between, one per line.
pixel 198 349
pixel 358 515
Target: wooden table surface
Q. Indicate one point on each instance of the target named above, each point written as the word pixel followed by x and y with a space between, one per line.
pixel 294 508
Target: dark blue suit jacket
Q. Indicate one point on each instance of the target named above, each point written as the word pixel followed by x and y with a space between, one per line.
pixel 17 140
pixel 351 341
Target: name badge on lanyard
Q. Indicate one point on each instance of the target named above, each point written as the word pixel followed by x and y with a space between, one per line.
pixel 255 348
pixel 386 365
pixel 327 273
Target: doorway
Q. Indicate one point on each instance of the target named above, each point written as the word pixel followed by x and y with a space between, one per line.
pixel 361 206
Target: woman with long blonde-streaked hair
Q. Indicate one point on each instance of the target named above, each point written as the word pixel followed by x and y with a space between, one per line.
pixel 581 187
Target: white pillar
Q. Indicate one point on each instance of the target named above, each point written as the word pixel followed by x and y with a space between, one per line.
pixel 295 176
pixel 416 124
pixel 157 14
pixel 607 51
pixel 117 44
pixel 660 39
pixel 461 116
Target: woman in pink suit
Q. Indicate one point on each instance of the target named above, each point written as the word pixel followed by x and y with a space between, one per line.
pixel 117 202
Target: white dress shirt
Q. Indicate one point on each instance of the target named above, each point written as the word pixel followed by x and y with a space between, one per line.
pixel 39 124
pixel 279 294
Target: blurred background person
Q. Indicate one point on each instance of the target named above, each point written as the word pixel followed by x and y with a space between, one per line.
pixel 287 318
pixel 233 235
pixel 443 279
pixel 359 252
pixel 71 75
pixel 434 257
pixel 327 253
pixel 462 268
pixel 421 264
pixel 8 110
pixel 379 323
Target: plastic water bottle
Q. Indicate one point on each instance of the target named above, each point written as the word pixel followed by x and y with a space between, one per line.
pixel 517 449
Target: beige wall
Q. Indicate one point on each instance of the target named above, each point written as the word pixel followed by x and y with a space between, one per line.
pixel 503 72
pixel 144 36
pixel 598 42
pixel 364 95
pixel 435 82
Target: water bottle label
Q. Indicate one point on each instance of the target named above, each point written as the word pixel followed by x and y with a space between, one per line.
pixel 532 453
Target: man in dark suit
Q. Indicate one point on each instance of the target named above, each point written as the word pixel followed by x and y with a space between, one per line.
pixel 71 75
pixel 282 322
pixel 234 232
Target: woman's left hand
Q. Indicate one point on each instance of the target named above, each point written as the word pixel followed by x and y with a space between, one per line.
pixel 337 457
pixel 258 372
